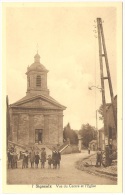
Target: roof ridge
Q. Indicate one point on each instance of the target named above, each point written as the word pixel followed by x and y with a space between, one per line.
pixel 30 98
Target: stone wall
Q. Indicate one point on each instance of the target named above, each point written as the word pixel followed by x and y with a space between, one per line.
pixel 23 129
pixel 23 125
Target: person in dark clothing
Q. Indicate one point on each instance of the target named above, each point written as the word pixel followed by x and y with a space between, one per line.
pixel 99 157
pixel 43 158
pixel 88 150
pixel 25 159
pixel 32 158
pixel 54 157
pixel 11 158
pixel 37 158
pixel 15 159
pixel 58 158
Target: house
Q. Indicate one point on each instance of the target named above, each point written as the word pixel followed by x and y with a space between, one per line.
pixel 111 132
pixel 109 136
pixel 93 145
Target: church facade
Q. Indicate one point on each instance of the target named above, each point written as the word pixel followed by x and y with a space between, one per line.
pixel 37 118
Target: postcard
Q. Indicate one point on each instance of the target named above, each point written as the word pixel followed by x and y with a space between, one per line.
pixel 62 97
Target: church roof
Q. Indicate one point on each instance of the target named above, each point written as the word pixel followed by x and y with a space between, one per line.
pixel 37 66
pixel 37 55
pixel 31 97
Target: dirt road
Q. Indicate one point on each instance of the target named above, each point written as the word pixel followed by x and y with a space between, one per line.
pixel 67 174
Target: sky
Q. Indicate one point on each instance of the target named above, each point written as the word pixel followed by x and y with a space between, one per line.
pixel 68 49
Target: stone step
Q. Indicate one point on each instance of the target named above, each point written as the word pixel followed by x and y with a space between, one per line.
pixel 38 147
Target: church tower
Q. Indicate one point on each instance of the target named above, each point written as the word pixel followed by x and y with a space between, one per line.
pixel 37 118
pixel 37 78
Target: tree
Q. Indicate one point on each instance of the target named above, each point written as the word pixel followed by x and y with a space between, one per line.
pixel 100 111
pixel 70 134
pixel 88 133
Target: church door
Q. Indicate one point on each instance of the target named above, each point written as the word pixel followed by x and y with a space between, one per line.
pixel 38 136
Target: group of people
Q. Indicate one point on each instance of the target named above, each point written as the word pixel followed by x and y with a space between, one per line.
pixel 35 158
pixel 12 158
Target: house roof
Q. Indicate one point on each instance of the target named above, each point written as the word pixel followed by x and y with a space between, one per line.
pixel 102 129
pixel 93 141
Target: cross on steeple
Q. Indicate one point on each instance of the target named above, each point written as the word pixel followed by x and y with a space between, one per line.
pixel 37 47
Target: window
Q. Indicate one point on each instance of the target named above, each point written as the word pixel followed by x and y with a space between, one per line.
pixel 38 81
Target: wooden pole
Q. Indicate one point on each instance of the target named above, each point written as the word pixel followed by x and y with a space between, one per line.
pixel 101 75
pixel 108 75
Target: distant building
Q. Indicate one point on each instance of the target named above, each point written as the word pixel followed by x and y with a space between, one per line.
pixel 109 136
pixel 37 118
pixel 93 145
pixel 111 130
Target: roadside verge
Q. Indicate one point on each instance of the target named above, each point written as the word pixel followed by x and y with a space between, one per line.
pixel 88 164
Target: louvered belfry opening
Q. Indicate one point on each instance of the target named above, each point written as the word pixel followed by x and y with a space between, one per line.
pixel 38 81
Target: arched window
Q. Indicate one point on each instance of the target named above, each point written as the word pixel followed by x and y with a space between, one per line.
pixel 38 81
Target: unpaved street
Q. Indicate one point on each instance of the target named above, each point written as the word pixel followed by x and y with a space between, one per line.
pixel 67 174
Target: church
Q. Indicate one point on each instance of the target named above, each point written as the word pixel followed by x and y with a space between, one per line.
pixel 37 118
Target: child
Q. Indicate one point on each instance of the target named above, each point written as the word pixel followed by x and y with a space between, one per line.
pixel 37 158
pixel 49 161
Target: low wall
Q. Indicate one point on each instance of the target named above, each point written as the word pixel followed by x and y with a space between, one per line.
pixel 71 149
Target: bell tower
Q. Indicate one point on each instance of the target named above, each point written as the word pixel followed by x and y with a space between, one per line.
pixel 37 78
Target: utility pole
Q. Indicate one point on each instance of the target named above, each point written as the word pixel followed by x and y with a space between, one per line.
pixel 103 55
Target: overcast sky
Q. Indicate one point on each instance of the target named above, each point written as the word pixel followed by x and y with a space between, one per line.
pixel 68 49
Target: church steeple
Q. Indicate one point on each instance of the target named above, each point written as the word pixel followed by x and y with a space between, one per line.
pixel 37 57
pixel 37 78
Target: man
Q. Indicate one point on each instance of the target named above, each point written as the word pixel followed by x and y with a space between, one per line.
pixel 43 158
pixel 58 158
pixel 15 158
pixel 25 159
pixel 32 158
pixel 9 158
pixel 54 157
pixel 88 150
pixel 99 157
